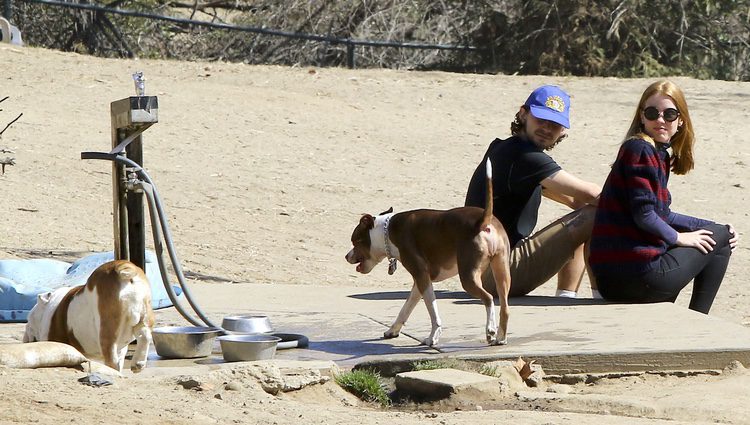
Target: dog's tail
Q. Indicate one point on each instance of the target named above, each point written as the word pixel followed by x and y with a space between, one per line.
pixel 487 217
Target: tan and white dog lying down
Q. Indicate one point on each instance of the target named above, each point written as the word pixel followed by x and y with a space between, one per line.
pixel 100 318
pixel 436 245
pixel 32 355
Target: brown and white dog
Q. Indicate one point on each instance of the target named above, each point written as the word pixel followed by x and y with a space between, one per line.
pixel 99 318
pixel 436 245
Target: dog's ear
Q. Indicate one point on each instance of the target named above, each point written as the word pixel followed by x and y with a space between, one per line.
pixel 367 221
pixel 390 210
pixel 43 298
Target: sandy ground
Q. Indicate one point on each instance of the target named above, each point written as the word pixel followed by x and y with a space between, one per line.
pixel 265 170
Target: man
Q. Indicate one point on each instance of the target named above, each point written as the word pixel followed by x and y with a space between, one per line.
pixel 522 174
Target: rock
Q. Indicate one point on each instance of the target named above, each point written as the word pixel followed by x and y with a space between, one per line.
pixel 507 372
pixel 559 389
pixel 573 378
pixel 536 378
pixel 272 378
pixel 188 383
pixel 734 368
pixel 233 386
pixel 442 383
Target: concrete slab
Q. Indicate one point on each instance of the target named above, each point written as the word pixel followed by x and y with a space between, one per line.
pixel 441 383
pixel 346 324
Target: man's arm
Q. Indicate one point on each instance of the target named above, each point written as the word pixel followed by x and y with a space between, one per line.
pixel 563 199
pixel 569 190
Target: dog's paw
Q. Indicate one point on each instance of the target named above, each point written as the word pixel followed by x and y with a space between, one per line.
pixel 390 334
pixel 491 336
pixel 138 367
pixel 503 341
pixel 434 338
pixel 430 342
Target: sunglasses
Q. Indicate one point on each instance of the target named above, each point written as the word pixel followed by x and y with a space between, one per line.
pixel 653 114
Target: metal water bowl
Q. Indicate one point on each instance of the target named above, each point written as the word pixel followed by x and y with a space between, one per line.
pixel 248 347
pixel 247 324
pixel 184 342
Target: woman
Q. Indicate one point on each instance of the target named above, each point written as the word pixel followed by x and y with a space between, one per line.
pixel 640 250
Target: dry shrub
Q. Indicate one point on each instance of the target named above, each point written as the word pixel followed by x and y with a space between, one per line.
pixel 627 38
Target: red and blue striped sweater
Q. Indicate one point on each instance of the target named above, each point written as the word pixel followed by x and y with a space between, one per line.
pixel 634 225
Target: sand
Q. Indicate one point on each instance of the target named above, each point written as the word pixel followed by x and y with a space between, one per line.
pixel 265 170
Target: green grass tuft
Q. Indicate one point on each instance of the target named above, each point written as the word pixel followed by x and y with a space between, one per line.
pixel 488 370
pixel 365 384
pixel 438 364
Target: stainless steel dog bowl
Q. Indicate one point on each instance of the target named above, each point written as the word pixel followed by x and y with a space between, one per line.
pixel 184 342
pixel 248 347
pixel 247 324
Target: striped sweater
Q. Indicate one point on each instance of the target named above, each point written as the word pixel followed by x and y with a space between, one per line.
pixel 634 225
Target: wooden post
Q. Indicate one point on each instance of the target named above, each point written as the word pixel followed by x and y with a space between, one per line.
pixel 130 117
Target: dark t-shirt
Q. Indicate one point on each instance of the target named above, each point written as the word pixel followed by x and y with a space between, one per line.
pixel 518 167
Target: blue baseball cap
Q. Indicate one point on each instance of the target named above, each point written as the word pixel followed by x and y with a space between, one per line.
pixel 550 103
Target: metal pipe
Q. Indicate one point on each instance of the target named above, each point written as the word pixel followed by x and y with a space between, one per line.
pixel 160 219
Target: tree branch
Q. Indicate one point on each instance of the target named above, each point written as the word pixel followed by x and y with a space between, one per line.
pixel 10 123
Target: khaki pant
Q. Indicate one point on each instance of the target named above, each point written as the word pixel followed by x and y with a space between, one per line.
pixel 537 258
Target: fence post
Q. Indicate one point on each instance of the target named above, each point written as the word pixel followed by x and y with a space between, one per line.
pixel 350 54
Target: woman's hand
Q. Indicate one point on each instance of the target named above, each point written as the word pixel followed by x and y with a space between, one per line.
pixel 735 237
pixel 699 239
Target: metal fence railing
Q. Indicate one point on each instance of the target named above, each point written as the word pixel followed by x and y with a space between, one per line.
pixel 350 43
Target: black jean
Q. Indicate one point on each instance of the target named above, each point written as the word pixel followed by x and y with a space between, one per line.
pixel 677 267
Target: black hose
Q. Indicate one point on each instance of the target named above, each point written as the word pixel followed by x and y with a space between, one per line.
pixel 99 155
